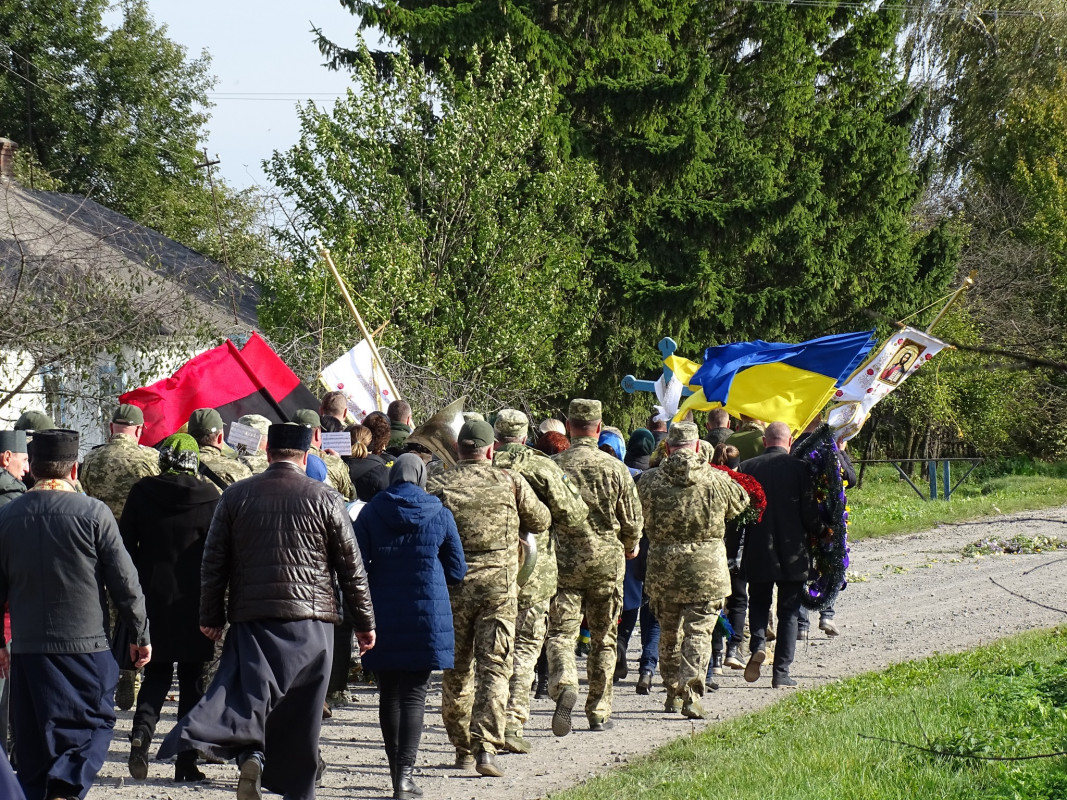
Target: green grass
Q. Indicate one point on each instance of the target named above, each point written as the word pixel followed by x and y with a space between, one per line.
pixel 886 505
pixel 1009 699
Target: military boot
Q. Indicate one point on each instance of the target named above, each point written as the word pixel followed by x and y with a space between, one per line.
pixel 673 703
pixel 515 743
pixel 140 738
pixel 692 709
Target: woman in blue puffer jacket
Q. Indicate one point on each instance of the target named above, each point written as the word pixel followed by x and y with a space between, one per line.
pixel 412 551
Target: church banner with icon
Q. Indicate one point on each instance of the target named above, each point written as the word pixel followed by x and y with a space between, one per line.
pixel 903 354
pixel 362 381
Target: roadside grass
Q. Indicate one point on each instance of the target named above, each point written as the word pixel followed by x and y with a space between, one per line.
pixel 1007 699
pixel 886 505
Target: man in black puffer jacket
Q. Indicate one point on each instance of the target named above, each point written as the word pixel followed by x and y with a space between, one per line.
pixel 274 542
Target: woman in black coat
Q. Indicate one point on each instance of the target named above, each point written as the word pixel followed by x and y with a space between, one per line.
pixel 164 524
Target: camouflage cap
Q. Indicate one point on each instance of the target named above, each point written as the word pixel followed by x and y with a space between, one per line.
pixel 34 421
pixel 584 411
pixel 257 421
pixel 511 422
pixel 472 416
pixel 204 421
pixel 12 441
pixel 682 433
pixel 478 433
pixel 128 414
pixel 307 418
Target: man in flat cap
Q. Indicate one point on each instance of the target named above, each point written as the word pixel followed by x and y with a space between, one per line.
pixel 337 474
pixel 552 488
pixel 256 460
pixel 686 503
pixel 205 425
pixel 264 707
pixel 591 558
pixel 59 551
pixel 14 464
pixel 492 507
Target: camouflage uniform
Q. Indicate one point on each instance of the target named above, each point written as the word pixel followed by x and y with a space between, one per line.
pixel 256 462
pixel 591 558
pixel 555 490
pixel 491 506
pixel 229 470
pixel 686 504
pixel 110 470
pixel 337 474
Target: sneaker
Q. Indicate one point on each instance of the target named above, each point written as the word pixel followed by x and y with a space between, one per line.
pixel 692 709
pixel 827 626
pixel 514 743
pixel 771 635
pixel 486 765
pixel 731 660
pixel 716 664
pixel 755 661
pixel 644 682
pixel 561 718
pixel 249 784
pixel 600 725
pixel 783 682
pixel 464 760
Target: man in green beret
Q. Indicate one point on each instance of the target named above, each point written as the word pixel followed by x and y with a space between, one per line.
pixel 14 464
pixel 591 558
pixel 337 474
pixel 205 425
pixel 686 503
pixel 552 488
pixel 492 507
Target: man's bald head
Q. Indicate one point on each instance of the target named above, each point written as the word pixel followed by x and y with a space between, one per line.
pixel 777 434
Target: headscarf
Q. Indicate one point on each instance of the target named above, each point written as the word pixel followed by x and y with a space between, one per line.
pixel 615 442
pixel 639 448
pixel 179 454
pixel 408 468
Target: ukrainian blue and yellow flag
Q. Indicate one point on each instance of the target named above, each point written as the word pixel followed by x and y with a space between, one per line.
pixel 772 381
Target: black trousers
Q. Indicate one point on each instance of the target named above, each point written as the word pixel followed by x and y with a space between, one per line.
pixel 341 664
pixel 401 706
pixel 158 677
pixel 759 614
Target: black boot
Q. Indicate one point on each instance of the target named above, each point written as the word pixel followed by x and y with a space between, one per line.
pixel 185 767
pixel 405 784
pixel 140 738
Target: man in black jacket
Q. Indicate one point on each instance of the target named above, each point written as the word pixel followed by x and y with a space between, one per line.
pixel 58 551
pixel 264 706
pixel 776 550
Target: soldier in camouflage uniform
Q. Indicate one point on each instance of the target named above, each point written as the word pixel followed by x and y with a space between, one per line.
pixel 491 506
pixel 552 488
pixel 256 461
pixel 111 469
pixel 205 425
pixel 108 473
pixel 337 474
pixel 591 567
pixel 686 503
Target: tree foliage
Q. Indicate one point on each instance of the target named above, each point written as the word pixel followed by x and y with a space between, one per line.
pixel 450 214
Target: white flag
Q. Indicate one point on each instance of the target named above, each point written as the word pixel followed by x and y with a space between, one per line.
pixel 358 376
pixel 903 354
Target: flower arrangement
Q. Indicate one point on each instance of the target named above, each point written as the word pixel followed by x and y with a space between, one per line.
pixel 829 552
pixel 757 500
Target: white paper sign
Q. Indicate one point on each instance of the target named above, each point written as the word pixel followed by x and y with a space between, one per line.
pixel 340 442
pixel 243 435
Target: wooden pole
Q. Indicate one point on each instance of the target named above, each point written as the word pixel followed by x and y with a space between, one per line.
pixel 968 282
pixel 325 253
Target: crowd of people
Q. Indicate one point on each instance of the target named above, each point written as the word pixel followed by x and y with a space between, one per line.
pixel 495 555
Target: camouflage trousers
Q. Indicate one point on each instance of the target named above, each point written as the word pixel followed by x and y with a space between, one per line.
pixel 602 608
pixel 475 693
pixel 531 625
pixel 685 642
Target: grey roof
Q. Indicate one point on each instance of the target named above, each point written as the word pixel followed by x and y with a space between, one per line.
pixel 54 228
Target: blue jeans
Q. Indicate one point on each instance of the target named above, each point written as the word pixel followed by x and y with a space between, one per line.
pixel 649 635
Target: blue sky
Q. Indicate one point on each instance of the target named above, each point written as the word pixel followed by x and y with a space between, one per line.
pixel 266 61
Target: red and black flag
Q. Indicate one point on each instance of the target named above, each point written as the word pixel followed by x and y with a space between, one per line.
pixel 252 380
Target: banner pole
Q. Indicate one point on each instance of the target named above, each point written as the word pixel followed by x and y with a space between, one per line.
pixel 325 253
pixel 968 282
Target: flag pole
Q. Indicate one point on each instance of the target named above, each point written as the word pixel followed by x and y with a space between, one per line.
pixel 325 253
pixel 968 282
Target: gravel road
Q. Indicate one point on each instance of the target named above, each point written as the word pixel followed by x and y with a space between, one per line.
pixel 910 597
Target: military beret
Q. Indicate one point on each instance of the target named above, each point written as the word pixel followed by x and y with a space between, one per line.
pixel 478 433
pixel 12 441
pixel 511 422
pixel 128 414
pixel 472 416
pixel 55 444
pixel 205 420
pixel 585 410
pixel 682 433
pixel 34 421
pixel 257 421
pixel 307 418
pixel 288 436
